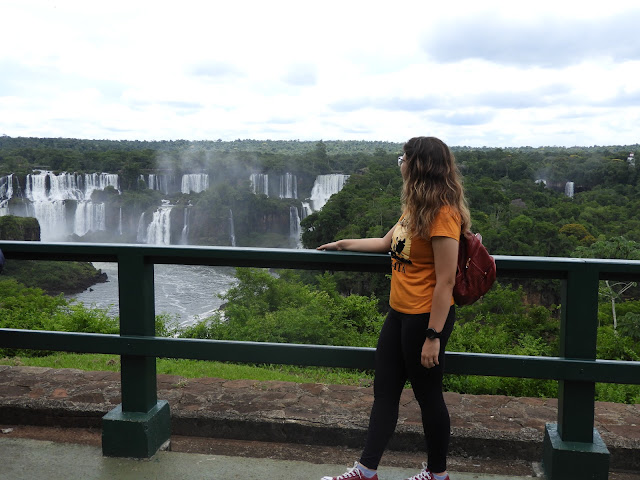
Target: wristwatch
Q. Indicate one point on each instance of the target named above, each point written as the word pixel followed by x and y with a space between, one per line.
pixel 431 333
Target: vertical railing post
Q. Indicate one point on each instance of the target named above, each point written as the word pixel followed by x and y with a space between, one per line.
pixel 141 424
pixel 573 448
pixel 137 317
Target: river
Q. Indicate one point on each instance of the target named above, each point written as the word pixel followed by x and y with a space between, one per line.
pixel 186 292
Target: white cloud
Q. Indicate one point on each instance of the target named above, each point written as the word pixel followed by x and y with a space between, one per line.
pixel 544 41
pixel 477 73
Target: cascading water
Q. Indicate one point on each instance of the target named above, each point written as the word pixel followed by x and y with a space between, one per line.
pixel 164 183
pixel 48 194
pixel 260 183
pixel 152 182
pixel 306 209
pixel 141 236
pixel 90 217
pixel 568 189
pixel 194 182
pixel 184 239
pixel 232 229
pixel 294 227
pixel 158 183
pixel 52 217
pixel 6 193
pixel 120 221
pixel 324 187
pixel 159 230
pixel 288 186
pixel 99 181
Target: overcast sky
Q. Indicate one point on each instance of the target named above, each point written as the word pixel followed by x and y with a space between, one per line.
pixel 489 73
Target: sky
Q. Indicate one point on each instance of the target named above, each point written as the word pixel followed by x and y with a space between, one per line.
pixel 490 73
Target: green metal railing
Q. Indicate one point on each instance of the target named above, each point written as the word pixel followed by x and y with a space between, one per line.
pixel 141 424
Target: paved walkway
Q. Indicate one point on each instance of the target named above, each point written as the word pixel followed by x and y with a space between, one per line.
pixel 483 426
pixel 34 459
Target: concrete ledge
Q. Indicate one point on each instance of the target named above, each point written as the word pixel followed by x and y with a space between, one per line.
pixel 490 426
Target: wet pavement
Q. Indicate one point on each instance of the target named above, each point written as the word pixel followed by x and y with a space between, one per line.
pixel 25 459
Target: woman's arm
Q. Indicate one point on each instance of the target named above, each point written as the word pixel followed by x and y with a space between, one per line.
pixel 376 245
pixel 445 257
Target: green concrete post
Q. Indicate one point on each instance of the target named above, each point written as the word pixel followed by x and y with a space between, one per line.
pixel 141 424
pixel 573 449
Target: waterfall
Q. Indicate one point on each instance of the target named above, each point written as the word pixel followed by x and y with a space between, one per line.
pixel 142 232
pixel 162 182
pixel 159 230
pixel 6 192
pixel 48 194
pixel 288 186
pixel 46 186
pixel 294 226
pixel 568 189
pixel 260 183
pixel 306 209
pixel 99 181
pixel 184 239
pixel 232 230
pixel 324 187
pixel 194 182
pixel 120 221
pixel 90 217
pixel 52 218
pixel 6 188
pixel 154 183
pixel 287 183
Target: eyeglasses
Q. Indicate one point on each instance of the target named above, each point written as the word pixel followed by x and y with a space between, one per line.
pixel 400 160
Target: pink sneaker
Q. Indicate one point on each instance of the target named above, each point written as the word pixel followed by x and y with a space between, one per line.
pixel 352 473
pixel 425 474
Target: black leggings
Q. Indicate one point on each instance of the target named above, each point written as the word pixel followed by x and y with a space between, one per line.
pixel 398 359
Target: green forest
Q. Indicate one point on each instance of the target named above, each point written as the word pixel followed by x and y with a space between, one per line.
pixel 520 202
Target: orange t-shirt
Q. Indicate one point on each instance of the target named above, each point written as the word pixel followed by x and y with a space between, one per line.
pixel 413 273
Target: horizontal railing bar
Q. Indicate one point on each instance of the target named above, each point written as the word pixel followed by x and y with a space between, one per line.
pixel 201 255
pixel 228 351
pixel 553 368
pixel 507 266
pixel 556 267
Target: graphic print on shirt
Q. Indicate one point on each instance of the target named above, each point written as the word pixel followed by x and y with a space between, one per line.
pixel 401 247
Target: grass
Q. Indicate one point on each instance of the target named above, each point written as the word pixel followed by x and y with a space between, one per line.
pixel 201 368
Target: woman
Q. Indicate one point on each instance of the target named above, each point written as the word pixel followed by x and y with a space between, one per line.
pixel 424 253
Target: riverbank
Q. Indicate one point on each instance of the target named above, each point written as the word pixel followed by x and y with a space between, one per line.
pixel 55 278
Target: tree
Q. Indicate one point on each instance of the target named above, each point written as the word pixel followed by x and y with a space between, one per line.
pixel 616 247
pixel 263 307
pixel 579 232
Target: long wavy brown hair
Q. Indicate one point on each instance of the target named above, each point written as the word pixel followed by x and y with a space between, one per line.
pixel 431 181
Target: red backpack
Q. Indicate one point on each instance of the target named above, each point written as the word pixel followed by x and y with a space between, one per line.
pixel 476 270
